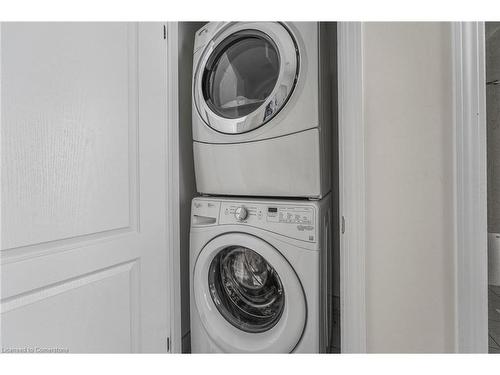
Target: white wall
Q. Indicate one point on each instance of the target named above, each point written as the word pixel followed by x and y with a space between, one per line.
pixel 408 119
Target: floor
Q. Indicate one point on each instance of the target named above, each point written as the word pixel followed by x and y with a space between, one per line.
pixel 494 318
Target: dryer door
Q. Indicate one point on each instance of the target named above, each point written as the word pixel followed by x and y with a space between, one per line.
pixel 244 291
pixel 245 76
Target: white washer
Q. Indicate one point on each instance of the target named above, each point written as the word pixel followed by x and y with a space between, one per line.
pixel 259 275
pixel 262 108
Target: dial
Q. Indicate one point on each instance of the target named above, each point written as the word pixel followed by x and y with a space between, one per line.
pixel 241 213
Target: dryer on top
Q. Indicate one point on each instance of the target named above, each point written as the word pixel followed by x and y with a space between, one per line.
pixel 262 105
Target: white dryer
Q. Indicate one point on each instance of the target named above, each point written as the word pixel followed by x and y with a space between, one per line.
pixel 262 108
pixel 259 276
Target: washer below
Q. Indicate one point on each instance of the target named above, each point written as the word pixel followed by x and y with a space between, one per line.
pixel 259 276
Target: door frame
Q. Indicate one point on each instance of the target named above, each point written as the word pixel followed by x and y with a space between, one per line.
pixel 470 193
pixel 173 192
pixel 470 176
pixel 352 189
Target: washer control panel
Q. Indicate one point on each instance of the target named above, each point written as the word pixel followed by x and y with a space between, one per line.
pixel 290 215
pixel 292 221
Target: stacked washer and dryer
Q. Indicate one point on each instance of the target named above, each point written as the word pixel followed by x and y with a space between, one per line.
pixel 260 239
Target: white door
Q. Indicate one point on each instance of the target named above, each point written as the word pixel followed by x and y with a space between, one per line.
pixel 83 246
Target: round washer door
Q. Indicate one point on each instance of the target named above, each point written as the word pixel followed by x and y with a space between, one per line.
pixel 245 76
pixel 248 296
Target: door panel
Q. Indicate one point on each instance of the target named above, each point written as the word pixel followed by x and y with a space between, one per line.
pixel 67 120
pixel 84 256
pixel 82 310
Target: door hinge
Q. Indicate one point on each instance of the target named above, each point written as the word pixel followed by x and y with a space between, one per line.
pixel 168 344
pixel 164 32
pixel 342 226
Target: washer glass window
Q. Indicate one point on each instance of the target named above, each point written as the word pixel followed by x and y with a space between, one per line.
pixel 246 289
pixel 241 74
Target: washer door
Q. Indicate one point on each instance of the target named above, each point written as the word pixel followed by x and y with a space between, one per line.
pixel 245 76
pixel 248 296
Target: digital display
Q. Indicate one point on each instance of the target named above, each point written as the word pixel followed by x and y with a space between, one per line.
pixel 272 209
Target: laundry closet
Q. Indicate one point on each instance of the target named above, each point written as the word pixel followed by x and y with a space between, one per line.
pixel 259 187
pixel 169 187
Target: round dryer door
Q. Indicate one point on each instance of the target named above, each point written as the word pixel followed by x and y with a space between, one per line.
pixel 245 76
pixel 244 291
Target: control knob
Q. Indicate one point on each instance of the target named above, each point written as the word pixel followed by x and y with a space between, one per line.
pixel 241 213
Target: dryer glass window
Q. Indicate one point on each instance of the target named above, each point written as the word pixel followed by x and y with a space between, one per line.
pixel 241 74
pixel 246 289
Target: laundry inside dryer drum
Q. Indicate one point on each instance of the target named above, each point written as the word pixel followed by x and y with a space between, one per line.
pixel 246 289
pixel 241 74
